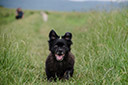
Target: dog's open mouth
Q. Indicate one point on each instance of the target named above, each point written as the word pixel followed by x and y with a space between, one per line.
pixel 59 57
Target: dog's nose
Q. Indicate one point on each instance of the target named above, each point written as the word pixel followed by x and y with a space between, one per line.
pixel 60 50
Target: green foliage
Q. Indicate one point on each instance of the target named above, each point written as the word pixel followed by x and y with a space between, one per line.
pixel 99 44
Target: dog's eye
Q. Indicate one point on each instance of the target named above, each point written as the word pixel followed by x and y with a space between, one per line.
pixel 56 46
pixel 64 46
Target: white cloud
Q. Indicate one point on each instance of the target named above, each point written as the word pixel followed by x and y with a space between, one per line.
pixel 98 0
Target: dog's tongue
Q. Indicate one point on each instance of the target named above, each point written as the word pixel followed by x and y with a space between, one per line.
pixel 59 57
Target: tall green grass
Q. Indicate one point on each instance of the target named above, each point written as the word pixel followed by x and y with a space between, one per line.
pixel 99 44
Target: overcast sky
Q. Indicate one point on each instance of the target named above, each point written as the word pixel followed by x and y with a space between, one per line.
pixel 97 0
pixel 64 5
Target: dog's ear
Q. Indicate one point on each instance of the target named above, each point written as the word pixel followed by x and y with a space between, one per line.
pixel 53 35
pixel 67 36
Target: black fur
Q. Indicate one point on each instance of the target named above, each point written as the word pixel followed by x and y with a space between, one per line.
pixel 60 62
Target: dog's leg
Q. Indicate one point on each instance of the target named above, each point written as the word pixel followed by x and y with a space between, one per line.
pixel 50 76
pixel 68 73
pixel 71 72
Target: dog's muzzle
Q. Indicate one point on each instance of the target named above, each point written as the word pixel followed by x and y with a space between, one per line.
pixel 59 55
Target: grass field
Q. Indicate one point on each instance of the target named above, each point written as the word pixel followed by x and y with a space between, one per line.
pixel 100 46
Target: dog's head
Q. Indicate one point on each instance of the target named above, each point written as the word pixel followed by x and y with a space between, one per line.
pixel 59 47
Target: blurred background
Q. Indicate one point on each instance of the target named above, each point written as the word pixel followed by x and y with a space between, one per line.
pixel 65 5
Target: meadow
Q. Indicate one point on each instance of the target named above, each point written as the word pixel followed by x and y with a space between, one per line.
pixel 100 46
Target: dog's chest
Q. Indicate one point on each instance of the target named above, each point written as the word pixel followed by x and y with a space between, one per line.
pixel 61 65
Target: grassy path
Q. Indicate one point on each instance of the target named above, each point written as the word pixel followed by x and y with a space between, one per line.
pixel 99 44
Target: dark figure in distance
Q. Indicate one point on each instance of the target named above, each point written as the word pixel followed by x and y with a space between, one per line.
pixel 19 13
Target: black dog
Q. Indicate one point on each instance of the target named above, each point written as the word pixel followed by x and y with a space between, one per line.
pixel 60 62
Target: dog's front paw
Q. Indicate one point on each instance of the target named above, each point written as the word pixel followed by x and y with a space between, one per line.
pixel 67 75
